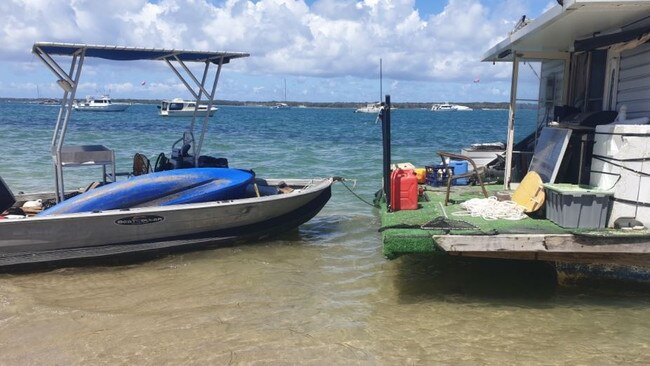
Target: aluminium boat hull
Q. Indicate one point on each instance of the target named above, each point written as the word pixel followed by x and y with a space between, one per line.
pixel 110 233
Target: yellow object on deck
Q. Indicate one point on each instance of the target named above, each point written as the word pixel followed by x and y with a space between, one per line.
pixel 530 193
pixel 421 174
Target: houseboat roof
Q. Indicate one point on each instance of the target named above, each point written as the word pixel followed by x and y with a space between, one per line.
pixel 558 28
pixel 121 53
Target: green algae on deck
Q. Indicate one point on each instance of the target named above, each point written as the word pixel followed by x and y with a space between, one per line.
pixel 401 232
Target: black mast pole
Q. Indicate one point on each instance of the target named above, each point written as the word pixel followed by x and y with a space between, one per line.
pixel 386 144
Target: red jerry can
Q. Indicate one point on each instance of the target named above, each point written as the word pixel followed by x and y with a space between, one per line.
pixel 403 190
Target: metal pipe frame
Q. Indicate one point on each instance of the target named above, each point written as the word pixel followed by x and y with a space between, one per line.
pixel 207 114
pixel 178 74
pixel 189 72
pixel 507 176
pixel 65 110
pixel 196 148
pixel 196 106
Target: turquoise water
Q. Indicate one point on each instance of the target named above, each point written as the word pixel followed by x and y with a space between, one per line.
pixel 287 143
pixel 321 295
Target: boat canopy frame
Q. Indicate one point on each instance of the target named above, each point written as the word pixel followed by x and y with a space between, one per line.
pixel 69 82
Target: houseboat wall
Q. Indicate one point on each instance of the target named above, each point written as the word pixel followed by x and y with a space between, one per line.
pixel 633 89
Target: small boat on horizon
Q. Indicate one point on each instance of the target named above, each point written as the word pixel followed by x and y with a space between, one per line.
pixel 101 104
pixel 443 107
pixel 370 108
pixel 178 107
pixel 280 106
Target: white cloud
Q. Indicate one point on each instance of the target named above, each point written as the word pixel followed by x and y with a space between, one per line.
pixel 330 38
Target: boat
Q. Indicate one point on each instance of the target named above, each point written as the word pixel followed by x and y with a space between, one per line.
pixel 178 107
pixel 572 194
pixel 484 153
pixel 445 107
pixel 185 201
pixel 374 108
pixel 101 104
pixel 280 106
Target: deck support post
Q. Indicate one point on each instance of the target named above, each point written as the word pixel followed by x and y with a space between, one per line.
pixel 385 119
pixel 507 176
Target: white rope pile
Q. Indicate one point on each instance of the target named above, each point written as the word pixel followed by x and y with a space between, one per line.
pixel 492 209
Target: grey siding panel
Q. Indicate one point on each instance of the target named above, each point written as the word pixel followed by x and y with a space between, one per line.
pixel 634 82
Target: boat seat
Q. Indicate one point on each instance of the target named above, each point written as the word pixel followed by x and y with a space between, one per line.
pixel 141 165
pixel 475 172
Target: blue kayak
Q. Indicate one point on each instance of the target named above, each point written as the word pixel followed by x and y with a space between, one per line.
pixel 165 188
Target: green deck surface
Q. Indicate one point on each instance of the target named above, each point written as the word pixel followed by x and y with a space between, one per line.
pixel 401 232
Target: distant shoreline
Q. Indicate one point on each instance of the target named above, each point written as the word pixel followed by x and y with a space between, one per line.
pixel 349 105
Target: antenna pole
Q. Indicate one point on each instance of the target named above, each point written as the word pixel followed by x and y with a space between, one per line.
pixel 380 81
pixel 385 134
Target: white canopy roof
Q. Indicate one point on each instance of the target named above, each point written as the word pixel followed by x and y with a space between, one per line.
pixel 557 29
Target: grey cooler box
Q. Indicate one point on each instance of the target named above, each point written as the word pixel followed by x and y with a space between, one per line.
pixel 577 206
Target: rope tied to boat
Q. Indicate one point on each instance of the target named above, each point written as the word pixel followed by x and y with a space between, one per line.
pixel 354 184
pixel 492 209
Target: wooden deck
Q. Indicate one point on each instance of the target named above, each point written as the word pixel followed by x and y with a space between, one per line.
pixel 533 238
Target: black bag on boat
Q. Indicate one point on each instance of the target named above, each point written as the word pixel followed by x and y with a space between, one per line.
pixel 212 162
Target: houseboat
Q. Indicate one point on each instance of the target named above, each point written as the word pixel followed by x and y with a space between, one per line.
pixel 178 107
pixel 574 193
pixel 101 104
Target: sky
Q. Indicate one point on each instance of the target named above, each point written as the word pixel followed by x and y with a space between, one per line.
pixel 325 50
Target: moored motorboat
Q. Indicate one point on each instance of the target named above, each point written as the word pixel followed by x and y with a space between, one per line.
pixel 374 108
pixel 178 107
pixel 444 107
pixel 101 104
pixel 189 200
pixel 484 153
pixel 280 105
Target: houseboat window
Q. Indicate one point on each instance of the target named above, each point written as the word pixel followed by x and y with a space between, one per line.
pixel 175 106
pixel 588 80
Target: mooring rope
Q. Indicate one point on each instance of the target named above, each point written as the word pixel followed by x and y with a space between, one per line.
pixel 492 209
pixel 342 180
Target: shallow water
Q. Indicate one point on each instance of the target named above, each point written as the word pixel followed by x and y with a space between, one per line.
pixel 321 295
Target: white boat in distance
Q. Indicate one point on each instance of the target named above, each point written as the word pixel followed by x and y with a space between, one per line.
pixel 280 106
pixel 449 107
pixel 102 104
pixel 370 108
pixel 178 107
